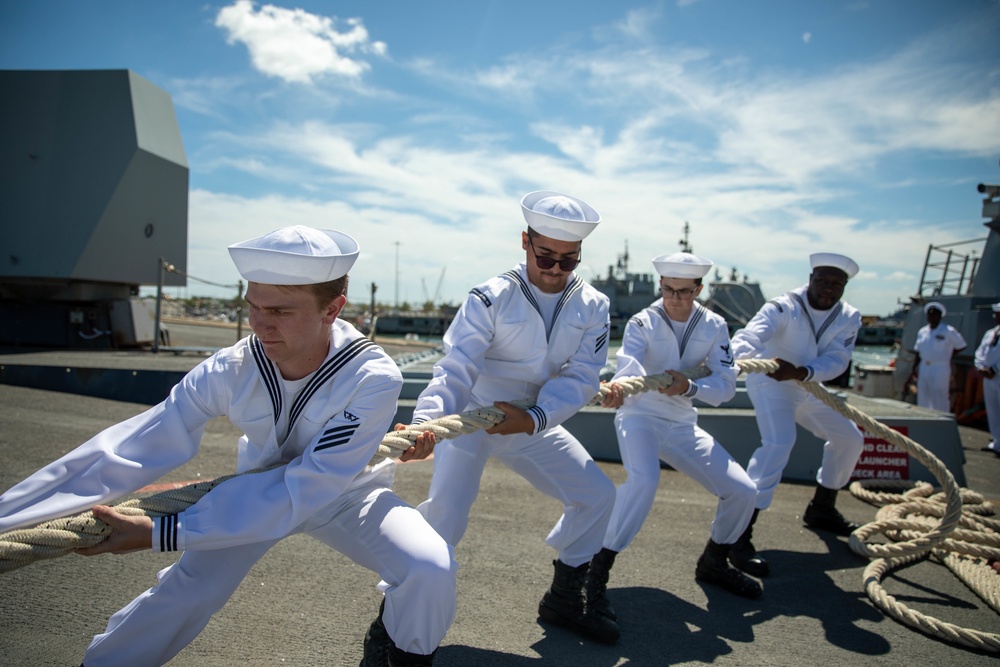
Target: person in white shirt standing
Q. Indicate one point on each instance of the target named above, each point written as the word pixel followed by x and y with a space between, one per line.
pixel 988 364
pixel 937 344
pixel 810 332
pixel 673 334
pixel 537 333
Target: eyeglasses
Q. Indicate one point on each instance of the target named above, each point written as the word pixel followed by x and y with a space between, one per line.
pixel 685 293
pixel 546 263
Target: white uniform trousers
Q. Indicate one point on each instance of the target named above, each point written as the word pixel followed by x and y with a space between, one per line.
pixel 553 461
pixel 778 406
pixel 644 441
pixel 933 384
pixel 991 396
pixel 370 525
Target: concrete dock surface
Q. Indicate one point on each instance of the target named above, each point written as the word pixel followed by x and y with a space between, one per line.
pixel 304 604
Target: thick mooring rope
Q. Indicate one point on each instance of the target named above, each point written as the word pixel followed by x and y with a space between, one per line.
pixel 967 551
pixel 919 523
pixel 59 537
pixel 949 526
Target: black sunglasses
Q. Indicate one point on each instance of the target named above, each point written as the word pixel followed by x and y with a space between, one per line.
pixel 546 263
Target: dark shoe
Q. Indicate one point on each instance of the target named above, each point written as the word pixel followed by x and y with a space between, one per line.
pixel 400 658
pixel 377 643
pixel 744 556
pixel 713 568
pixel 827 517
pixel 597 583
pixel 822 514
pixel 564 604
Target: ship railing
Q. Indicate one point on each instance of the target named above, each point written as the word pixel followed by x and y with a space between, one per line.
pixel 950 268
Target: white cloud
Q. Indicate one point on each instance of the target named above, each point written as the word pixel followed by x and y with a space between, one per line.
pixel 294 45
pixel 794 127
pixel 807 37
pixel 459 209
pixel 651 137
pixel 637 22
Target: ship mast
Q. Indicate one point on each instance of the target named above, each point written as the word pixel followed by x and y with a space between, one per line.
pixel 685 245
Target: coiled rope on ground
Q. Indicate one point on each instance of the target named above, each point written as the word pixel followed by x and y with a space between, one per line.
pixel 919 522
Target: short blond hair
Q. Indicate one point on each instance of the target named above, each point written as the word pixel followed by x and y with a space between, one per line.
pixel 324 292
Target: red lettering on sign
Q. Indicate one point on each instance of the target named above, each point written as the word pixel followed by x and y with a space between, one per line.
pixel 881 459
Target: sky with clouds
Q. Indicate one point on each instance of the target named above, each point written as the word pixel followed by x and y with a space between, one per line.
pixel 774 129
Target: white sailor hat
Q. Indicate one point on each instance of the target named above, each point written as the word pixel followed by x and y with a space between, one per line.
pixel 842 262
pixel 936 304
pixel 558 216
pixel 996 307
pixel 297 255
pixel 681 265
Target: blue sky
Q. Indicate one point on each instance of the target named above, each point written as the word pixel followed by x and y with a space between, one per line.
pixel 775 129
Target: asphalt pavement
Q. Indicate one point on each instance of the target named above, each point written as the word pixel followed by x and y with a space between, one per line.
pixel 304 604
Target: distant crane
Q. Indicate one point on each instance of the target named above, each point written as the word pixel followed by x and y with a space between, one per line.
pixel 437 292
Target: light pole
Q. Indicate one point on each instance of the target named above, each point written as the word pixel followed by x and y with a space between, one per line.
pixel 239 310
pixel 159 300
pixel 397 274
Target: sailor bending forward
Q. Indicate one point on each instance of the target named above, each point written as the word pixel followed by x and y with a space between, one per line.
pixel 308 390
pixel 673 334
pixel 810 332
pixel 538 332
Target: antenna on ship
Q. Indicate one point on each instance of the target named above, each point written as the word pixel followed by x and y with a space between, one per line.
pixel 685 246
pixel 620 270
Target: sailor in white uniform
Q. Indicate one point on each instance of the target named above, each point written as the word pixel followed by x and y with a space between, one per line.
pixel 673 334
pixel 936 345
pixel 811 333
pixel 988 363
pixel 308 391
pixel 539 333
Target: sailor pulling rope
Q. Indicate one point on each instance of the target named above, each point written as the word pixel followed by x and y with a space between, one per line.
pixel 59 537
pixel 929 532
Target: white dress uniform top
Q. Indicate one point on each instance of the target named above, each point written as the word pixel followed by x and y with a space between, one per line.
pixel 988 359
pixel 500 347
pixel 324 427
pixel 652 426
pixel 821 341
pixel 936 346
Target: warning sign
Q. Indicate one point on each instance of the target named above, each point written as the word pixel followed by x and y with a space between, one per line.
pixel 882 460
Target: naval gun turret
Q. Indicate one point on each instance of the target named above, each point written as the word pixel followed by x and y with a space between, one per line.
pixel 93 193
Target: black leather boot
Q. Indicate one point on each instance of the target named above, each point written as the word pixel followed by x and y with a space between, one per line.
pixel 713 568
pixel 564 604
pixel 400 658
pixel 377 643
pixel 822 515
pixel 597 583
pixel 744 556
pixel 381 652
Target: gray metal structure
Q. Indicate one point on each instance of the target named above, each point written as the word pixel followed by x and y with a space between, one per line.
pixel 965 282
pixel 93 192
